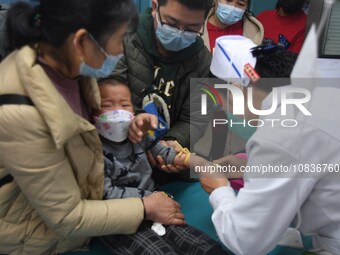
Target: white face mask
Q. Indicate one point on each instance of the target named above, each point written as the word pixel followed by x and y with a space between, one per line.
pixel 114 125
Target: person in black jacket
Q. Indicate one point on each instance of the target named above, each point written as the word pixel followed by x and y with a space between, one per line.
pixel 160 59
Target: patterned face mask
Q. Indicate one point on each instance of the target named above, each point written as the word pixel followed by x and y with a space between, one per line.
pixel 114 125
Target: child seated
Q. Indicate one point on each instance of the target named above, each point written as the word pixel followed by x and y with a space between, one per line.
pixel 127 170
pixel 128 174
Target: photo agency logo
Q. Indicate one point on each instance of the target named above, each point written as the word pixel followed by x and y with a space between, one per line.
pixel 242 101
pixel 240 67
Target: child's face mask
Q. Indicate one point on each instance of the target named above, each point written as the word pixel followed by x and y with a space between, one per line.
pixel 114 125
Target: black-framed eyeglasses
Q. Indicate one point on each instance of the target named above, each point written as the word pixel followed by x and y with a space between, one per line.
pixel 176 27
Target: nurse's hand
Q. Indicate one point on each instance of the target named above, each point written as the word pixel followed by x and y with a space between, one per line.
pixel 140 126
pixel 235 162
pixel 163 209
pixel 210 183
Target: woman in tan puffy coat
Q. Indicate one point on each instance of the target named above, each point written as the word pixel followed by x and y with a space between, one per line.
pixel 51 166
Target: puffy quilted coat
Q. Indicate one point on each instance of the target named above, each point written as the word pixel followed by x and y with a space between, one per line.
pixel 54 202
pixel 136 69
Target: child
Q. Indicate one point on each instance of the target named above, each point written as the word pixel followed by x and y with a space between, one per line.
pixel 128 174
pixel 127 170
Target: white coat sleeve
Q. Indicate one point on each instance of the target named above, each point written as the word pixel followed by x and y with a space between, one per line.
pixel 255 220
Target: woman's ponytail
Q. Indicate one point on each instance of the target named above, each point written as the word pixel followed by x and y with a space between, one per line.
pixel 23 24
pixel 52 21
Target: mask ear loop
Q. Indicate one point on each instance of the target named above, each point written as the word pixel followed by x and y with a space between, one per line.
pixel 100 47
pixel 158 17
pixel 94 40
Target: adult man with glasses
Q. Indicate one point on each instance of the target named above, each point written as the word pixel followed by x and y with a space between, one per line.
pixel 159 61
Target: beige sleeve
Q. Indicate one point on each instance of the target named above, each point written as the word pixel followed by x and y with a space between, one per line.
pixel 45 176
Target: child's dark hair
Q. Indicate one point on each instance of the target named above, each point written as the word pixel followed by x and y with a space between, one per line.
pixel 112 82
pixel 54 20
pixel 205 5
pixel 277 62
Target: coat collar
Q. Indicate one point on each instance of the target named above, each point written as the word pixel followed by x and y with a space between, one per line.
pixel 57 114
pixel 252 29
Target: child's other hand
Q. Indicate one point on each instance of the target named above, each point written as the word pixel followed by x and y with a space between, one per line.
pixel 140 126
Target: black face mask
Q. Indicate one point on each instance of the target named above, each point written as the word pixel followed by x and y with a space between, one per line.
pixel 291 6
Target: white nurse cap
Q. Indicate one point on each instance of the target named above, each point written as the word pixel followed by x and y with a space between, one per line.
pixel 233 60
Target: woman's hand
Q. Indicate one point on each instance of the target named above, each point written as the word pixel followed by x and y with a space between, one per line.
pixel 140 126
pixel 163 209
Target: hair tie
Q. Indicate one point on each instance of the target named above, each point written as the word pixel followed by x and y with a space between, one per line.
pixel 37 17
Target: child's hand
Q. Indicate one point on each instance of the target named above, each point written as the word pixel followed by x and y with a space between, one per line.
pixel 182 160
pixel 186 159
pixel 140 126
